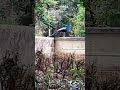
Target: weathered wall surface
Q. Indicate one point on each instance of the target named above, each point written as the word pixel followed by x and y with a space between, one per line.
pixel 70 45
pixel 46 44
pixel 74 45
pixel 18 39
pixel 62 45
pixel 102 46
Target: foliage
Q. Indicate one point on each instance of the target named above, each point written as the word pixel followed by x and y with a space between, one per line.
pixel 101 80
pixel 60 72
pixel 53 15
pixel 102 13
pixel 13 11
pixel 78 20
pixel 14 75
pixel 41 10
pixel 77 11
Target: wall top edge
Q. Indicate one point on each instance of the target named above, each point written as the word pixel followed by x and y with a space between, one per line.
pixel 102 29
pixel 63 38
pixel 7 26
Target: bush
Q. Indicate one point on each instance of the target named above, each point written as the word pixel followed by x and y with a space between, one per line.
pixel 60 72
pixel 14 75
pixel 101 80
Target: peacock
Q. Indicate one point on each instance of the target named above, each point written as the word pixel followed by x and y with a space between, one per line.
pixel 64 29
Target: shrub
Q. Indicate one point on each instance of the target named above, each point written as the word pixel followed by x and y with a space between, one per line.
pixel 14 75
pixel 60 72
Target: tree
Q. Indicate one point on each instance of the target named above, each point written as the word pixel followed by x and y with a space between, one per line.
pixel 42 14
pixel 102 13
pixel 53 15
pixel 79 21
pixel 15 11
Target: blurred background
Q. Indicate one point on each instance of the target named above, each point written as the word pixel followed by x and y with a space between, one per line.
pixel 54 14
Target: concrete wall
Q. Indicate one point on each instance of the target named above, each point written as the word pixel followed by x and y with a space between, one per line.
pixel 61 44
pixel 103 47
pixel 70 45
pixel 46 44
pixel 18 39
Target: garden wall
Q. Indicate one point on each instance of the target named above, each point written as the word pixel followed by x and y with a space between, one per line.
pixel 44 43
pixel 70 45
pixel 61 44
pixel 18 39
pixel 102 46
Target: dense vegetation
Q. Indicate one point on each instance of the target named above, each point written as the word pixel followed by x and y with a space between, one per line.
pixel 102 13
pixel 15 75
pixel 101 80
pixel 16 12
pixel 62 72
pixel 54 14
